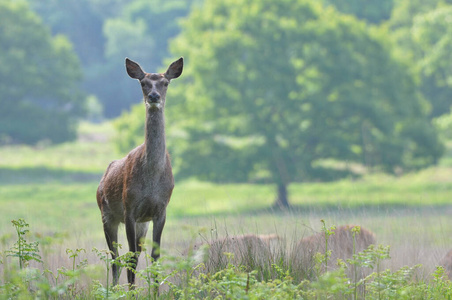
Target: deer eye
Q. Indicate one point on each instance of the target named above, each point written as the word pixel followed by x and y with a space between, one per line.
pixel 165 84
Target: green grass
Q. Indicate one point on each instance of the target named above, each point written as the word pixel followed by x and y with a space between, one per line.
pixel 90 154
pixel 50 205
pixel 72 192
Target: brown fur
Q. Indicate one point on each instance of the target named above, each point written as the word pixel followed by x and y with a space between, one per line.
pixel 137 188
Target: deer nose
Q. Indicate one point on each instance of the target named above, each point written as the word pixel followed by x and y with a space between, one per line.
pixel 154 97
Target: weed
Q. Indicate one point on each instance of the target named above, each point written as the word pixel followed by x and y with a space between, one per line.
pixel 328 232
pixel 151 274
pixel 23 250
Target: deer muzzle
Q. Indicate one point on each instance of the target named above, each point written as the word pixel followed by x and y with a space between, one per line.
pixel 154 97
pixel 153 100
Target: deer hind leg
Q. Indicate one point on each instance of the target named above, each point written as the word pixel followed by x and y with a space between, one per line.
pixel 111 235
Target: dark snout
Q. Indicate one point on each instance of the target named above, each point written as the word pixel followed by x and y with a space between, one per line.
pixel 154 97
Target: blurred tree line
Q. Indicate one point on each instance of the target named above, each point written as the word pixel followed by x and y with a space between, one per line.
pixel 104 32
pixel 270 92
pixel 39 96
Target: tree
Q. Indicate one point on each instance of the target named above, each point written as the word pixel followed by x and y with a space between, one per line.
pixel 444 125
pixel 39 77
pixel 423 32
pixel 371 11
pixel 272 89
pixel 432 38
pixel 79 21
pixel 82 22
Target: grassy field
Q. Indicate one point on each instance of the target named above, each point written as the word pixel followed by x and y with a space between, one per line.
pixel 53 189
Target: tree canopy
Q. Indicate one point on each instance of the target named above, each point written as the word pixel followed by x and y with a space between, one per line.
pixel 371 11
pixel 105 31
pixel 39 75
pixel 422 30
pixel 271 88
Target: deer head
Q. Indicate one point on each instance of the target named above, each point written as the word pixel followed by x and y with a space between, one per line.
pixel 154 85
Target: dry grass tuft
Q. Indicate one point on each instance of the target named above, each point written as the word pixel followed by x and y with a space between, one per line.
pixel 340 244
pixel 250 251
pixel 446 263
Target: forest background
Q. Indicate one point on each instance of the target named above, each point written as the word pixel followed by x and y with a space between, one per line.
pixel 285 92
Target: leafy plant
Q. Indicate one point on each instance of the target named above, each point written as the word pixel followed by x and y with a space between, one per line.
pixel 328 232
pixel 23 250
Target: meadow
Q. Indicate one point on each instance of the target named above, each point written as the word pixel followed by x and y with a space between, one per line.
pixel 53 188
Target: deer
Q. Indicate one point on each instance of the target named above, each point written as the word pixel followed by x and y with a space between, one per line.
pixel 136 189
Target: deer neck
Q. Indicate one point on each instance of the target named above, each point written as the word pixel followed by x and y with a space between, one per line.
pixel 155 145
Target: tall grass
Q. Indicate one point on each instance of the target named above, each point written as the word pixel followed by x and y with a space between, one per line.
pixel 185 278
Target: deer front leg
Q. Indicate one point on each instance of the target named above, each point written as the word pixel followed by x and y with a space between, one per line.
pixel 130 224
pixel 157 229
pixel 141 230
pixel 111 235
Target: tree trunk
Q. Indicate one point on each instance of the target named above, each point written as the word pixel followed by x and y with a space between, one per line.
pixel 281 200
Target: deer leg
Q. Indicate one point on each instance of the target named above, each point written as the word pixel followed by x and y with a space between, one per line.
pixel 141 230
pixel 157 230
pixel 111 235
pixel 132 240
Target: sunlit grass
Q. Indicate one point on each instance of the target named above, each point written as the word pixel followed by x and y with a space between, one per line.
pixel 55 207
pixel 193 198
pixel 92 153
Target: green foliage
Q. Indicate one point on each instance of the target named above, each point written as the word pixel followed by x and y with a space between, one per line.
pixel 444 125
pixel 422 31
pixel 431 37
pixel 110 291
pixel 130 129
pixel 39 95
pixel 272 87
pixel 23 250
pixel 28 282
pixel 326 256
pixel 440 286
pixel 355 230
pixel 81 21
pixel 371 11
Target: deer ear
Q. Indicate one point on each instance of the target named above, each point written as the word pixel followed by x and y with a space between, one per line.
pixel 175 69
pixel 134 70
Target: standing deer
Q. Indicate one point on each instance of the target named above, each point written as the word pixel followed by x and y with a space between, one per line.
pixel 137 188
